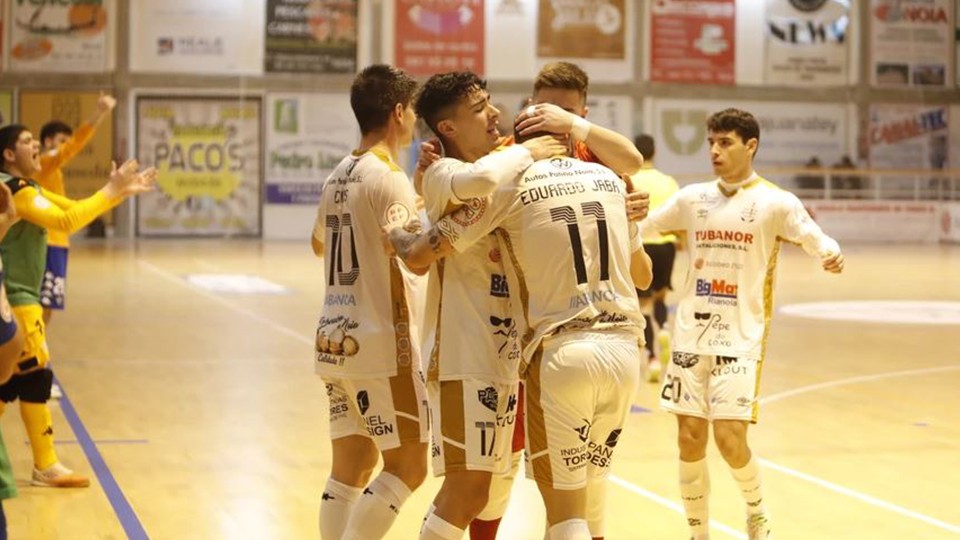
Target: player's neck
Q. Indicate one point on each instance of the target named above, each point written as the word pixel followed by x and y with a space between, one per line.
pixel 14 171
pixel 738 177
pixel 381 140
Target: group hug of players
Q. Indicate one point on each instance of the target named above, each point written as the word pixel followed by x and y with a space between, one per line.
pixel 509 317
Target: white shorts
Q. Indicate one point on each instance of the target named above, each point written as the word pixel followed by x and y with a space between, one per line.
pixel 473 422
pixel 391 411
pixel 712 387
pixel 578 392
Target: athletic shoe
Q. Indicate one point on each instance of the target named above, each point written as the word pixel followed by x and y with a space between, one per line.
pixel 58 476
pixel 758 527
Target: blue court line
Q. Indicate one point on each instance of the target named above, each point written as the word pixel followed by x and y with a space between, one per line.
pixel 128 518
pixel 635 409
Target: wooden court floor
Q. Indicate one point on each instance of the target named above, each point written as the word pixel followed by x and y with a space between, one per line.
pixel 198 416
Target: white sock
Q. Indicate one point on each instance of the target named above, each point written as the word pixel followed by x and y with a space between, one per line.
pixel 571 529
pixel 335 507
pixel 427 516
pixel 695 492
pixel 435 528
pixel 596 506
pixel 748 478
pixel 377 509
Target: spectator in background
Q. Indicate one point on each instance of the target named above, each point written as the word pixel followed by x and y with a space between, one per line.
pixel 809 182
pixel 846 186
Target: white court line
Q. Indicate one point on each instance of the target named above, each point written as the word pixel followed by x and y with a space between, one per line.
pixel 672 505
pixel 852 493
pixel 862 497
pixel 627 485
pixel 854 380
pixel 238 308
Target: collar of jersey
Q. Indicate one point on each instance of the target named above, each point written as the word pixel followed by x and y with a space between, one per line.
pixel 729 190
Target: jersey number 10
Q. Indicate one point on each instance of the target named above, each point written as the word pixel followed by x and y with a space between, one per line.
pixel 568 215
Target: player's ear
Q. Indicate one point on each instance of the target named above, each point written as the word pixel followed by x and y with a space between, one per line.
pixel 9 155
pixel 398 111
pixel 752 145
pixel 446 128
pixel 586 110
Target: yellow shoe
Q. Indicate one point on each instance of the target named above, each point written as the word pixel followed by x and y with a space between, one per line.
pixel 58 476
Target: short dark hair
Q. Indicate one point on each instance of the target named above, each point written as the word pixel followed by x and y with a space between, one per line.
pixel 740 122
pixel 9 135
pixel 645 145
pixel 376 91
pixel 565 75
pixel 442 92
pixel 54 128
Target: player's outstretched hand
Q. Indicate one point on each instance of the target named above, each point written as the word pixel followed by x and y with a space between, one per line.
pixel 545 146
pixel 106 103
pixel 544 117
pixel 127 180
pixel 833 263
pixel 429 153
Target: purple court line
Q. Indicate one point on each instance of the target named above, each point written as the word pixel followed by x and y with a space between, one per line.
pixel 635 409
pixel 128 518
pixel 103 441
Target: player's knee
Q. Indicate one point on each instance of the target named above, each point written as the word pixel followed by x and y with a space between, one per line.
pixel 692 439
pixel 409 463
pixel 471 488
pixel 732 443
pixel 35 386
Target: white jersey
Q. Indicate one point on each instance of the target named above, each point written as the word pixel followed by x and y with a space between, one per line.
pixel 476 335
pixel 726 301
pixel 366 329
pixel 566 244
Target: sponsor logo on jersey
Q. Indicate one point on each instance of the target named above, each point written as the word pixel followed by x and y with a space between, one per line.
pixel 712 322
pixel 488 397
pixel 334 338
pixel 590 297
pixel 685 360
pixel 718 291
pixel 584 431
pixel 498 286
pixel 729 365
pixel 613 438
pixel 363 401
pixel 718 235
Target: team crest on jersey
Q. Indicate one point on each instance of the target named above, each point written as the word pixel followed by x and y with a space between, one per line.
pixel 396 214
pixel 488 397
pixel 749 215
pixel 470 213
pixel 685 360
pixel 614 438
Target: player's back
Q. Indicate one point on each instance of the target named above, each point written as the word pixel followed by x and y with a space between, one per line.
pixel 568 246
pixel 365 326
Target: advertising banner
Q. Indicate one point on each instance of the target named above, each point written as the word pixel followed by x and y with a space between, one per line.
pixel 432 36
pixel 693 41
pixel 66 36
pixel 90 169
pixel 307 136
pixel 208 152
pixel 791 133
pixel 910 42
pixel 582 29
pixel 315 36
pixel 184 36
pixel 807 42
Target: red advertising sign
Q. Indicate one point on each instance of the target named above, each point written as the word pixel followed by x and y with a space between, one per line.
pixel 439 35
pixel 693 41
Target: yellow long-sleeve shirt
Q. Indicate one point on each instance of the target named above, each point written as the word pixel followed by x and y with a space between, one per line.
pixel 24 248
pixel 51 175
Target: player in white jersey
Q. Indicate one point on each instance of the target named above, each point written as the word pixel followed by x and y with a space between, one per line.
pixel 733 228
pixel 573 262
pixel 472 377
pixel 365 351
